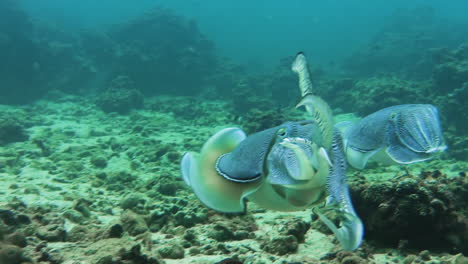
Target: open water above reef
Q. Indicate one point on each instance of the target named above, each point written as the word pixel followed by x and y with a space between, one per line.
pixel 99 101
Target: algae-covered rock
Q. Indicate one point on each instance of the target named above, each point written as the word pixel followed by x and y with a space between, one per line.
pixel 120 97
pixel 77 233
pixel 425 210
pixel 188 218
pixel 367 95
pixel 10 254
pixel 281 245
pixel 133 223
pixel 11 129
pixel 134 202
pixel 17 238
pixel 171 251
pixel 297 228
pixel 234 228
pixel 99 161
pixel 51 233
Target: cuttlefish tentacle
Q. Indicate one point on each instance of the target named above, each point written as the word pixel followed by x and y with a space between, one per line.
pixel 351 230
pixel 315 106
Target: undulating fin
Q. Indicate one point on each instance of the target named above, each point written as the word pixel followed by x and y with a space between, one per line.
pixel 359 159
pixel 211 188
pixel 351 230
pixel 186 166
pixel 315 105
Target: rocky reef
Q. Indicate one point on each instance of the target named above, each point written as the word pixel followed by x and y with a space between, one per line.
pixel 121 96
pixel 367 95
pixel 12 127
pixel 450 83
pixel 402 46
pixel 164 53
pixel 161 53
pixel 446 87
pixel 425 211
pixel 19 68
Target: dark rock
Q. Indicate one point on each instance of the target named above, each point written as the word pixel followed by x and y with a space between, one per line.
pixel 297 228
pixel 116 231
pixel 134 255
pixel 74 216
pixel 221 233
pixel 133 223
pixel 77 233
pixel 99 162
pixel 11 130
pixel 172 251
pixel 82 206
pixel 281 245
pixel 120 97
pixel 134 202
pixel 8 217
pixel 11 254
pixel 169 188
pixel 17 239
pixel 51 233
pixel 404 208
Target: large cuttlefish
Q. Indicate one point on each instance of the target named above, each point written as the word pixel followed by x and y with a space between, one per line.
pixel 285 168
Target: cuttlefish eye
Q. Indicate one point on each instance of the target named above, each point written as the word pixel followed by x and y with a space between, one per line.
pixel 282 132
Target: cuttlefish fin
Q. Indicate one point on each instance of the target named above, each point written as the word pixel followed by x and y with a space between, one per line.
pixel 358 159
pixel 351 230
pixel 199 172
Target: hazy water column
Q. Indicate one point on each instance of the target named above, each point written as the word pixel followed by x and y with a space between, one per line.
pixel 256 33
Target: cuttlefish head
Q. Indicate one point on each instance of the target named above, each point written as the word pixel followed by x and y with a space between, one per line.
pixel 414 134
pixel 295 155
pixel 296 168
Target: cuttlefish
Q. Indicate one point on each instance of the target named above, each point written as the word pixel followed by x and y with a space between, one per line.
pixel 290 167
pixel 401 134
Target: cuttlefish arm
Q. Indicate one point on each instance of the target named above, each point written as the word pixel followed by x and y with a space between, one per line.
pixel 351 230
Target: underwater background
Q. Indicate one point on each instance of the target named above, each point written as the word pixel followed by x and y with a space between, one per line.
pixel 99 100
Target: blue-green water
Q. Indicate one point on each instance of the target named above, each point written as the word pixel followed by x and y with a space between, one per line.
pixel 100 102
pixel 260 33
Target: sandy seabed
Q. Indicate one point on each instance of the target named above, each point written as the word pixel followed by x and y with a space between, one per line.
pixel 91 187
